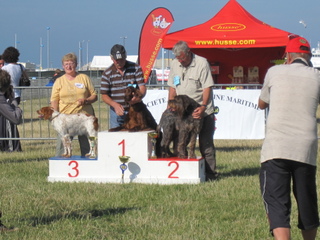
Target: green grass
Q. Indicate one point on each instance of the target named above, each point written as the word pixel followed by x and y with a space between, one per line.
pixel 229 208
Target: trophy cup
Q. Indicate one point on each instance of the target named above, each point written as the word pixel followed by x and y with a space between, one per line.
pixel 93 147
pixel 153 136
pixel 123 166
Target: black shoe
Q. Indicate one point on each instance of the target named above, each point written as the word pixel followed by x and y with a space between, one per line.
pixel 3 228
pixel 211 176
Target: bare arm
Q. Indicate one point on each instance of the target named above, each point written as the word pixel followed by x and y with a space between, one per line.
pixel 55 105
pixel 172 93
pixel 117 107
pixel 198 112
pixel 88 100
pixel 262 104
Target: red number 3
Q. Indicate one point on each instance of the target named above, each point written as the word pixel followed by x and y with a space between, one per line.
pixel 75 168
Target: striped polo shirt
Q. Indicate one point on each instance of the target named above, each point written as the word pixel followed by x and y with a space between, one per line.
pixel 114 85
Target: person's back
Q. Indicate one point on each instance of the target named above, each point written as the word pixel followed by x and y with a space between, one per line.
pixel 289 151
pixel 291 123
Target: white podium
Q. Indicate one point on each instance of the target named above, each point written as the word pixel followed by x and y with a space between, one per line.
pixel 140 168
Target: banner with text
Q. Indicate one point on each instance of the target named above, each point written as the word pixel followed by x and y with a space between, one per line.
pixel 237 114
pixel 154 28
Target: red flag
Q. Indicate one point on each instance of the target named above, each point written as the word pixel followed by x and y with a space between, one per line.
pixel 153 30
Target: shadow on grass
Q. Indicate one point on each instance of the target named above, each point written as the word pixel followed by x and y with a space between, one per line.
pixel 79 215
pixel 6 161
pixel 243 172
pixel 238 148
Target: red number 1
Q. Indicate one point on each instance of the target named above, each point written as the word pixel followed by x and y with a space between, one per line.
pixel 123 147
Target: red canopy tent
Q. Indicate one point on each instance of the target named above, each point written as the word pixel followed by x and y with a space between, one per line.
pixel 233 37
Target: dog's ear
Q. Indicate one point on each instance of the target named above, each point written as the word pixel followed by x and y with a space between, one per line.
pixel 47 113
pixel 137 93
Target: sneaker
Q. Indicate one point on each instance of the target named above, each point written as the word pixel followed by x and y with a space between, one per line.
pixel 3 228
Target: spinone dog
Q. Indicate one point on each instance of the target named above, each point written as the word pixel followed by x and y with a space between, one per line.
pixel 178 125
pixel 70 125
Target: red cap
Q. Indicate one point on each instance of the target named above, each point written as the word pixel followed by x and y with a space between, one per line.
pixel 298 45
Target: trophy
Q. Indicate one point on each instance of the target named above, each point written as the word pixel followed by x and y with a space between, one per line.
pixel 123 166
pixel 153 136
pixel 93 147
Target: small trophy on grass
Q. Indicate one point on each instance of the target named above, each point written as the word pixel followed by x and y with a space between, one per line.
pixel 153 136
pixel 123 166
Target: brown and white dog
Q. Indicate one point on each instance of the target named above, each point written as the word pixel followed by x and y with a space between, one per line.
pixel 70 125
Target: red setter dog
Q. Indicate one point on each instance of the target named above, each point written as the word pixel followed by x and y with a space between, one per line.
pixel 139 117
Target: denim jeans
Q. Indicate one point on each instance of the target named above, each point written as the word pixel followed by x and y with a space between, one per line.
pixel 114 119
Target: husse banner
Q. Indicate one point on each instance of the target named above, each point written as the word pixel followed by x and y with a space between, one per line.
pixel 154 28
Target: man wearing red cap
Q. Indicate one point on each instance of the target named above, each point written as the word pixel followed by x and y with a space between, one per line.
pixel 289 153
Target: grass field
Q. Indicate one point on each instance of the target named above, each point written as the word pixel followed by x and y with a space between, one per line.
pixel 229 208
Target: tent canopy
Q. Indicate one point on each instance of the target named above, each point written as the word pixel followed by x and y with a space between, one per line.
pixel 233 37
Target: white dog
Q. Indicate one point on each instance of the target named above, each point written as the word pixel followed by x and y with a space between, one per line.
pixel 70 125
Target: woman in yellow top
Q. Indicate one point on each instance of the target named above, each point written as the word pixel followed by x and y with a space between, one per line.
pixel 73 92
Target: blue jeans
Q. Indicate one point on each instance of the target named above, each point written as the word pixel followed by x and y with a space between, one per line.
pixel 114 119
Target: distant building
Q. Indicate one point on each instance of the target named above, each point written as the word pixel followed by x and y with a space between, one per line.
pixel 102 62
pixel 30 67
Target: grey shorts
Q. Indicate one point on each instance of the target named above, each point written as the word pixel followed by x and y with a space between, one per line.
pixel 275 183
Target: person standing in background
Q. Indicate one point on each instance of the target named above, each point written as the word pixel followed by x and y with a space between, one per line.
pixel 190 75
pixel 11 58
pixel 9 110
pixel 73 92
pixel 115 79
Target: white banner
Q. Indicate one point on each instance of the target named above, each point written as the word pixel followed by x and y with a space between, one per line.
pixel 237 117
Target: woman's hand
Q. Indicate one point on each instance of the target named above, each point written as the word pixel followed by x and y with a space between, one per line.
pixel 82 102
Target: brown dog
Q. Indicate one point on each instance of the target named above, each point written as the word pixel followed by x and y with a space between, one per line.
pixel 178 125
pixel 139 117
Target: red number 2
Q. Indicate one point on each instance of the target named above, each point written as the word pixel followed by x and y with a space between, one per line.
pixel 174 170
pixel 75 168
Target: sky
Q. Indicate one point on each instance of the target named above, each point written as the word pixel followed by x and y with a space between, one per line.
pixel 96 25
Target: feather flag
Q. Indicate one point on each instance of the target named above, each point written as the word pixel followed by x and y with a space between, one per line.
pixel 154 28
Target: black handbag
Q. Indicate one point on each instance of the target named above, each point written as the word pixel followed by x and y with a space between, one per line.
pixel 24 79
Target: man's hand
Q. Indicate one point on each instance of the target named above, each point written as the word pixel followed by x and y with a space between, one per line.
pixel 198 112
pixel 118 108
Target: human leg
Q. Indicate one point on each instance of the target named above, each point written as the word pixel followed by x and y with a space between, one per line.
pixel 275 186
pixel 84 145
pixel 281 233
pixel 206 146
pixel 114 119
pixel 59 147
pixel 309 234
pixel 305 192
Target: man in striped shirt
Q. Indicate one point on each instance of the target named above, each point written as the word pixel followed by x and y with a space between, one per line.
pixel 115 79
